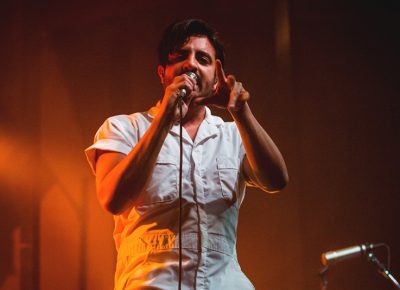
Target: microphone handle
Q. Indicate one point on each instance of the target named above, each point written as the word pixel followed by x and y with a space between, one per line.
pixel 184 92
pixel 346 253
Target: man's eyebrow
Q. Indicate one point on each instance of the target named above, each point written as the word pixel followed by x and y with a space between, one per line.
pixel 204 53
pixel 185 51
pixel 180 50
pixel 176 53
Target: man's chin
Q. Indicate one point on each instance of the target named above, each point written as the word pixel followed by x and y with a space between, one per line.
pixel 193 101
pixel 192 104
pixel 189 99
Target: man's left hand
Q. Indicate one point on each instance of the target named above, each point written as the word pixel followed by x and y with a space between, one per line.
pixel 228 92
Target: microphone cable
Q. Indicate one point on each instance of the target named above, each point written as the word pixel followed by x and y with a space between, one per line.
pixel 180 192
pixel 183 94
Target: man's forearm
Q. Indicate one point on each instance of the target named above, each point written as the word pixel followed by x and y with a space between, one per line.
pixel 264 157
pixel 127 179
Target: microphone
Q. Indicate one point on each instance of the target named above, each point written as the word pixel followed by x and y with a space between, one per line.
pixel 346 253
pixel 191 75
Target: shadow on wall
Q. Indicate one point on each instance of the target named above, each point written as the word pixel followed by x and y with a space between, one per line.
pixel 10 229
pixel 17 185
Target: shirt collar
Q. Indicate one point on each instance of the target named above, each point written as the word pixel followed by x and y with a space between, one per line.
pixel 204 131
pixel 209 118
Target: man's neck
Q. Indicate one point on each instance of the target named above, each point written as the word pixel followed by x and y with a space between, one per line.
pixel 193 119
pixel 194 116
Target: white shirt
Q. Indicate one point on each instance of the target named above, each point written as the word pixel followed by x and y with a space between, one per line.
pixel 146 235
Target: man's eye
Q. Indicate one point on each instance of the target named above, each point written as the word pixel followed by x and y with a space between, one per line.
pixel 204 60
pixel 175 57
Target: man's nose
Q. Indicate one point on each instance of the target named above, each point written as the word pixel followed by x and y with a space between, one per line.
pixel 190 63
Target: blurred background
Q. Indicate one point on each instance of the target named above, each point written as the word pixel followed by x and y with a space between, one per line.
pixel 324 80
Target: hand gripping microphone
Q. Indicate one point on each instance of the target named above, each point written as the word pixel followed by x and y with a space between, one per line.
pixel 192 75
pixel 346 253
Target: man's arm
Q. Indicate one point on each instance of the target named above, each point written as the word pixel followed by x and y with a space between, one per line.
pixel 263 164
pixel 120 178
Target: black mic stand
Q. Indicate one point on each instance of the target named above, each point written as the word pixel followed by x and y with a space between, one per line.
pixel 323 274
pixel 382 269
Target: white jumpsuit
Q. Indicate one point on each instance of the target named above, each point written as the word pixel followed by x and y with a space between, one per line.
pixel 146 235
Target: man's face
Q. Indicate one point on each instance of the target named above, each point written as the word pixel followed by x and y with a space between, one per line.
pixel 196 55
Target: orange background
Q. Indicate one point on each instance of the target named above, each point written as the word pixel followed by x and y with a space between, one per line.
pixel 324 83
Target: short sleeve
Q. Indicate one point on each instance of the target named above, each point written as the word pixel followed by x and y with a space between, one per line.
pixel 117 134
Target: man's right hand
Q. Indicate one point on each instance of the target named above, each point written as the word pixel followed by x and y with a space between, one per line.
pixel 172 96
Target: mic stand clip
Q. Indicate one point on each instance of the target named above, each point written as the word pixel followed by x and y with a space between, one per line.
pixel 382 269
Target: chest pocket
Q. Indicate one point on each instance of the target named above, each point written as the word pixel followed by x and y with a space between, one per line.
pixel 163 184
pixel 228 173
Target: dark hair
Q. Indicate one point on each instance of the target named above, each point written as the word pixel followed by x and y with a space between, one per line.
pixel 178 32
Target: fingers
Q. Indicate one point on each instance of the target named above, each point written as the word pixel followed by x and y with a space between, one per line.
pixel 236 87
pixel 184 82
pixel 238 97
pixel 182 85
pixel 223 80
pixel 231 81
pixel 173 92
pixel 220 72
pixel 189 79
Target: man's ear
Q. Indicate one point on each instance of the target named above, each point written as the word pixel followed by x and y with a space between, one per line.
pixel 160 71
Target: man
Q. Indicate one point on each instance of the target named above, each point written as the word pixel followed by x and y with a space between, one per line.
pixel 136 161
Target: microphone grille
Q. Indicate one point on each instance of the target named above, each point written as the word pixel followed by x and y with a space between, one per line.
pixel 192 75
